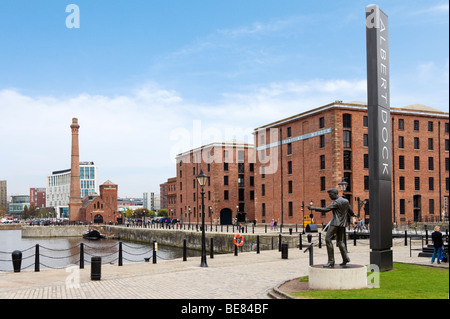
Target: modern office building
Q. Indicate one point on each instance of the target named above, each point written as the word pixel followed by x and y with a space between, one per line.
pixel 58 187
pixel 17 205
pixel 151 201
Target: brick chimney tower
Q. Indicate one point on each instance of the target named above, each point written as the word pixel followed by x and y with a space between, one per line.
pixel 75 187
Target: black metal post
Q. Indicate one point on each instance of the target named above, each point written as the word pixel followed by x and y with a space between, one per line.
pixel 235 250
pixel 257 244
pixel 406 238
pixel 279 242
pixel 320 240
pixel 36 259
pixel 211 248
pixel 284 251
pixel 311 255
pixel 16 260
pixel 96 268
pixel 300 244
pixel 354 238
pixel 81 256
pixel 120 254
pixel 203 261
pixel 154 251
pixel 184 250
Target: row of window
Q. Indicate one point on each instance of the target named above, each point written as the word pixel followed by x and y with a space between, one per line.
pixel 226 195
pixel 347 177
pixel 402 208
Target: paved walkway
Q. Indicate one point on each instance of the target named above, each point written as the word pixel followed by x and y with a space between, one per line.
pixel 246 276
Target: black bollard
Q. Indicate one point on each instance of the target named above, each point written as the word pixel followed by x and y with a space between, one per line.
pixel 257 244
pixel 300 243
pixel 354 238
pixel 309 238
pixel 17 260
pixel 155 249
pixel 284 251
pixel 96 268
pixel 311 256
pixel 320 240
pixel 279 242
pixel 120 254
pixel 235 250
pixel 406 238
pixel 184 250
pixel 81 256
pixel 211 249
pixel 36 259
pixel 290 231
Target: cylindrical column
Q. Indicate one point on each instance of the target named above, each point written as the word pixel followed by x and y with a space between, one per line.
pixel 96 268
pixel 120 254
pixel 36 259
pixel 284 251
pixel 211 248
pixel 155 249
pixel 81 256
pixel 257 244
pixel 17 260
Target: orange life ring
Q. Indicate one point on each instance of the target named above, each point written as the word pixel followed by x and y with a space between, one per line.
pixel 238 240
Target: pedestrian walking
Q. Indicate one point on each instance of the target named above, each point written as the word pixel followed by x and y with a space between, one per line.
pixel 436 237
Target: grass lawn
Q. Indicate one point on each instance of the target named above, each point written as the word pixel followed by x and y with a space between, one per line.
pixel 403 282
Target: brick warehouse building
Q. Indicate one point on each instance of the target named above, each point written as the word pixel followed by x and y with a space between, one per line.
pixel 229 193
pixel 296 159
pixel 300 157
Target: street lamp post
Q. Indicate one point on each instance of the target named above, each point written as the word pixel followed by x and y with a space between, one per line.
pixel 343 185
pixel 202 178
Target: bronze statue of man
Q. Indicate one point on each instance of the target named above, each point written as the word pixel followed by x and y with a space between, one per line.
pixel 340 208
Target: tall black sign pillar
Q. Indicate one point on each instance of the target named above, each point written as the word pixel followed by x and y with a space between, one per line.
pixel 380 162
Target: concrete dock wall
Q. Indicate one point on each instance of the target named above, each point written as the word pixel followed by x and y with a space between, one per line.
pixel 223 242
pixel 53 231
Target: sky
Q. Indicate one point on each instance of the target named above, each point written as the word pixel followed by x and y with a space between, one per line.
pixel 149 79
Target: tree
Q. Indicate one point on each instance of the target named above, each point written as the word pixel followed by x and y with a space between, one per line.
pixel 128 212
pixel 164 212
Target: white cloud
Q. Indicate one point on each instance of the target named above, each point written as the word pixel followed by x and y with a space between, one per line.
pixel 133 138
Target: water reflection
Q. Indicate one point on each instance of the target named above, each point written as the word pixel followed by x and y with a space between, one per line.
pixel 61 252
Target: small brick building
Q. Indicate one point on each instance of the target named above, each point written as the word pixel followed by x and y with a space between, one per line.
pixel 101 208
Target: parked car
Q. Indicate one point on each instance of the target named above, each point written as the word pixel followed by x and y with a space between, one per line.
pixel 165 220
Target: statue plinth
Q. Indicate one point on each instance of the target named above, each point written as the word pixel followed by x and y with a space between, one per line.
pixel 350 276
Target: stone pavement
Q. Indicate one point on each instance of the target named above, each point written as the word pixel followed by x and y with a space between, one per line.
pixel 246 276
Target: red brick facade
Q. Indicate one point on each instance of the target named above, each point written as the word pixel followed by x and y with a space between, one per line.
pixel 229 193
pixel 103 208
pixel 171 186
pixel 309 164
pixel 295 161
